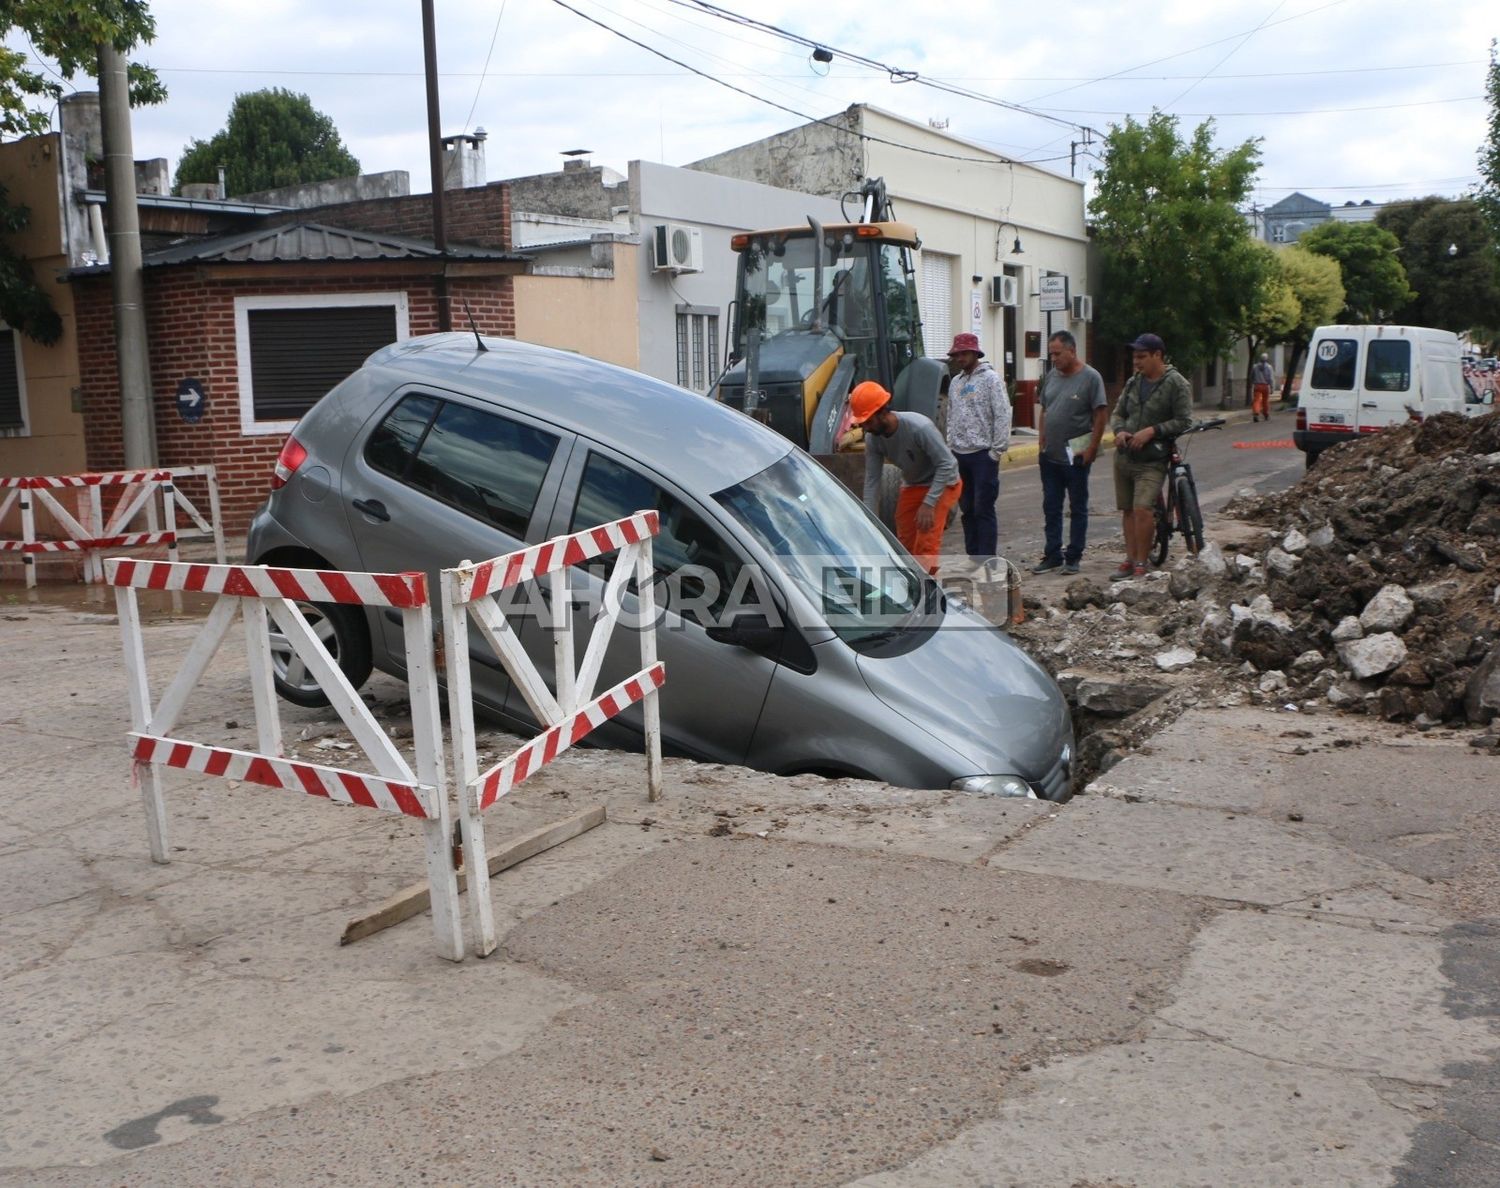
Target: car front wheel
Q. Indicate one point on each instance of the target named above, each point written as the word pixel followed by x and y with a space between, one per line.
pixel 341 630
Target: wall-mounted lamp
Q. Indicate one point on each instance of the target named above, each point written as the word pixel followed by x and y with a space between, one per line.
pixel 1015 249
pixel 1452 250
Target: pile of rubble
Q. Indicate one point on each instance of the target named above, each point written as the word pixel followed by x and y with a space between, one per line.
pixel 1372 585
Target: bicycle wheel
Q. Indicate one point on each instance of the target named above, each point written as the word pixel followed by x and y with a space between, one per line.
pixel 1163 536
pixel 1189 516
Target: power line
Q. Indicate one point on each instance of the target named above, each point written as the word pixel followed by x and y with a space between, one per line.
pixel 895 73
pixel 1234 49
pixel 1227 115
pixel 498 17
pixel 772 103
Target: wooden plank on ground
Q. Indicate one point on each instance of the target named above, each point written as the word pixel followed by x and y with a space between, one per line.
pixel 413 900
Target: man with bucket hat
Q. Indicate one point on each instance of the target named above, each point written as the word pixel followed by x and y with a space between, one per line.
pixel 929 473
pixel 979 417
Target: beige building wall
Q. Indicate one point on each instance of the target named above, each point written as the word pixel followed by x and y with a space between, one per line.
pixel 30 170
pixel 594 315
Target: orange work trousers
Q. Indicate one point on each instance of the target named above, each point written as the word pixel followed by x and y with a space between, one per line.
pixel 1260 401
pixel 924 543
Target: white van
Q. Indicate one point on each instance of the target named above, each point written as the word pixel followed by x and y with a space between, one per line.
pixel 1359 379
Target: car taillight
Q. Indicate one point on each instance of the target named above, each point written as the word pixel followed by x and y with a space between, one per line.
pixel 292 455
pixel 1302 418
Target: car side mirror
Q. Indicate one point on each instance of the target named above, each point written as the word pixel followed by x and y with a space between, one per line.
pixel 753 632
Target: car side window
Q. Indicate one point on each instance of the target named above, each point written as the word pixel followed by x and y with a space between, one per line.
pixel 486 465
pixel 698 566
pixel 1388 365
pixel 1334 363
pixel 394 443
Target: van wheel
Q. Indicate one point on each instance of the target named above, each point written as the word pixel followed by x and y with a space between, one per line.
pixel 342 631
pixel 1312 455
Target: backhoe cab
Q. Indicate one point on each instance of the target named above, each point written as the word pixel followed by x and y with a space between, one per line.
pixel 820 309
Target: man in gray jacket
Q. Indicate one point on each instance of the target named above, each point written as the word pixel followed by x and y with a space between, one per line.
pixel 930 484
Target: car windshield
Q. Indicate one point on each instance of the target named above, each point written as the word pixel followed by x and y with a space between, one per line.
pixel 830 547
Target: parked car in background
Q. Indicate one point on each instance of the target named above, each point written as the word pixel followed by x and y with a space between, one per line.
pixel 851 662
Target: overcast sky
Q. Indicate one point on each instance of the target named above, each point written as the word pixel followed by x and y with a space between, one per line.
pixel 1353 99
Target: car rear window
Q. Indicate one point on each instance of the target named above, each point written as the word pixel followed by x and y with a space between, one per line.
pixel 488 466
pixel 1388 365
pixel 1334 363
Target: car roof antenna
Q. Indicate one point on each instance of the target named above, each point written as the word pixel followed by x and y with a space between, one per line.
pixel 469 313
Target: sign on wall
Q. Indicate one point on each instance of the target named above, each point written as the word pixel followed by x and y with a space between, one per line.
pixel 976 311
pixel 1054 293
pixel 192 400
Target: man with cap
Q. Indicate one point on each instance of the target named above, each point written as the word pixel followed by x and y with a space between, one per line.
pixel 978 434
pixel 1156 405
pixel 929 473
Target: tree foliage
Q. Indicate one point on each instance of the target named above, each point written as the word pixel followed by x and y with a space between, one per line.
pixel 1375 284
pixel 69 32
pixel 1488 194
pixel 1450 260
pixel 1316 283
pixel 1178 258
pixel 23 304
pixel 273 138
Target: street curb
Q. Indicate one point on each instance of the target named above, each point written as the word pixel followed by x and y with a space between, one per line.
pixel 1026 455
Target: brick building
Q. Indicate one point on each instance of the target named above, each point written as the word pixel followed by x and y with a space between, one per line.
pixel 264 321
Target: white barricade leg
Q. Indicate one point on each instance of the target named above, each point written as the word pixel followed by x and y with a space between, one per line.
pixel 28 537
pixel 562 639
pixel 94 560
pixel 262 675
pixel 466 766
pixel 138 691
pixel 427 737
pixel 650 708
pixel 213 510
pixel 169 511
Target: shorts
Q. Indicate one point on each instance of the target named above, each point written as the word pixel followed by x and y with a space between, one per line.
pixel 1137 483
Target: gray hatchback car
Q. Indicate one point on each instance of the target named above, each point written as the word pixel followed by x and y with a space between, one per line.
pixel 798 635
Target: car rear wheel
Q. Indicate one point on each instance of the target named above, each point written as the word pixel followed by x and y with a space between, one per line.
pixel 341 630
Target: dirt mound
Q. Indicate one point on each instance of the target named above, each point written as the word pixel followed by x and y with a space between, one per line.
pixel 1373 585
pixel 1385 561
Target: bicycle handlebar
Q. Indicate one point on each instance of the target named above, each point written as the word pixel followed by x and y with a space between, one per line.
pixel 1200 426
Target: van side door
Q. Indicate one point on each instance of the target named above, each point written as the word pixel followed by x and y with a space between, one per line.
pixel 1388 389
pixel 438 480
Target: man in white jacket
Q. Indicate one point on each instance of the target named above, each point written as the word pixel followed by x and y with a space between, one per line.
pixel 978 434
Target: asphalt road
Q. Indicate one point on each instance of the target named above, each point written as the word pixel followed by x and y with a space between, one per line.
pixel 1220 468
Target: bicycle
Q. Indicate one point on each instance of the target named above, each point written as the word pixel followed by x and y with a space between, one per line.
pixel 1177 508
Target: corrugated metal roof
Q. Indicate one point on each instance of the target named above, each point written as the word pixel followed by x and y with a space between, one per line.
pixel 303 242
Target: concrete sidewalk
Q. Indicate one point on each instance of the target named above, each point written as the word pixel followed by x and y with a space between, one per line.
pixel 1256 955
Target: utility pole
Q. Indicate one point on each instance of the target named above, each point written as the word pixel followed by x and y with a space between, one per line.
pixel 132 355
pixel 435 155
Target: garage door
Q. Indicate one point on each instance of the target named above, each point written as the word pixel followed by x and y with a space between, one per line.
pixel 937 301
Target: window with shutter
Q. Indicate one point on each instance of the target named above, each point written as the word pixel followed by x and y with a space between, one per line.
pixel 12 386
pixel 294 349
pixel 937 301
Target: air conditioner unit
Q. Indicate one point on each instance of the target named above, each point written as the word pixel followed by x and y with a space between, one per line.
pixel 1005 290
pixel 677 248
pixel 1083 308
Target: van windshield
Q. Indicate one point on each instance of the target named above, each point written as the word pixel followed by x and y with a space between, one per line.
pixel 831 548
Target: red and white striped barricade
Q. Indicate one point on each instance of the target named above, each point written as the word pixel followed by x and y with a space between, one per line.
pixel 259 592
pixel 93 530
pixel 570 713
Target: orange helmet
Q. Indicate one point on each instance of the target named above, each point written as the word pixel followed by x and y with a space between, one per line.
pixel 866 400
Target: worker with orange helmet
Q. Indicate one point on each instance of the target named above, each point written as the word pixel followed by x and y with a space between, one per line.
pixel 930 484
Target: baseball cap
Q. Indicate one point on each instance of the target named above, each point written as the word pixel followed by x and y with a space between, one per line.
pixel 1149 342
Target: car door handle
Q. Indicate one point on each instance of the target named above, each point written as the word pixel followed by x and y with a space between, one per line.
pixel 1368 404
pixel 372 508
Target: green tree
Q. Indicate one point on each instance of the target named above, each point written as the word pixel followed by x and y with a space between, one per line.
pixel 1316 283
pixel 1450 259
pixel 1488 193
pixel 1177 257
pixel 1271 314
pixel 1375 284
pixel 23 304
pixel 70 33
pixel 273 138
